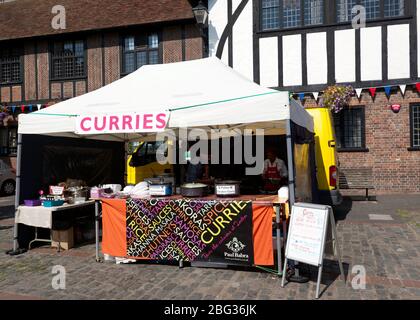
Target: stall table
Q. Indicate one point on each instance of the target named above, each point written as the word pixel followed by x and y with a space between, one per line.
pixel 234 231
pixel 42 217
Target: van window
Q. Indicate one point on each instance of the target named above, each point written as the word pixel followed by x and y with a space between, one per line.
pixel 146 154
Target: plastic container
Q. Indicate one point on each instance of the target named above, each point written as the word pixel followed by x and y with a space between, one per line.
pixel 32 203
pixel 115 187
pixel 96 193
pixel 78 200
pixel 52 203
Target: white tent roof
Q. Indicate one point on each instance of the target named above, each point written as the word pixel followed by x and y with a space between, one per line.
pixel 200 93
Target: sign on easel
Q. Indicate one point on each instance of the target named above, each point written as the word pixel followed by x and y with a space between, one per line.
pixel 307 237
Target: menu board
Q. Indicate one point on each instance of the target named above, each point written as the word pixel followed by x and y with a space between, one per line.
pixel 307 231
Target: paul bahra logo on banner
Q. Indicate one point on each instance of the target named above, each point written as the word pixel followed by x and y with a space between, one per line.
pixel 236 247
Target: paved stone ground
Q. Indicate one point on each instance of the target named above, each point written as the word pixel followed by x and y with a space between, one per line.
pixel 389 251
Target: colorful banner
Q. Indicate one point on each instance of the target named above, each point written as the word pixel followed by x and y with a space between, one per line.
pixel 190 230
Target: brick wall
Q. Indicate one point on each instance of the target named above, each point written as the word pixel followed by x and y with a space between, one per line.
pixel 172 44
pixel 112 57
pixel 29 74
pixel 193 43
pixel 43 70
pixel 94 61
pixel 17 93
pixel 5 94
pixel 67 90
pixel 395 168
pixel 80 88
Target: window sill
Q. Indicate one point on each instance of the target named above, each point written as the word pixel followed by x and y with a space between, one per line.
pixel 68 79
pixel 7 84
pixel 413 149
pixel 353 150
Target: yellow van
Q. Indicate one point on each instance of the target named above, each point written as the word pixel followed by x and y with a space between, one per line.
pixel 326 156
pixel 142 164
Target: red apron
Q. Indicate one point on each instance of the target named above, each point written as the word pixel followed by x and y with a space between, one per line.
pixel 271 173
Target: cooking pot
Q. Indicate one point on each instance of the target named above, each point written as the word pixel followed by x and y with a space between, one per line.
pixel 76 192
pixel 160 188
pixel 227 188
pixel 194 190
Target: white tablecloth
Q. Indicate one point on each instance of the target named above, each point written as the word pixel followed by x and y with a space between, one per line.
pixel 34 216
pixel 40 216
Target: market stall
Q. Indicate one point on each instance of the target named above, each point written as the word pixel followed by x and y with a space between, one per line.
pixel 157 99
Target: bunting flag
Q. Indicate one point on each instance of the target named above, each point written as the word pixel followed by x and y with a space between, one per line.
pixel 315 94
pixel 387 91
pixel 23 108
pixel 402 88
pixel 359 92
pixel 372 92
pixel 301 96
pixel 418 86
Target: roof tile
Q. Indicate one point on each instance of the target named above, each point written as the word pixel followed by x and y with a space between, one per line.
pixel 29 18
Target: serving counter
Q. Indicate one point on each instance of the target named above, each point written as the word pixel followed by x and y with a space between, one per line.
pixel 232 231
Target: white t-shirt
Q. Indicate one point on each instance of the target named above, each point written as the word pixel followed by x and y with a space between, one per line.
pixel 281 166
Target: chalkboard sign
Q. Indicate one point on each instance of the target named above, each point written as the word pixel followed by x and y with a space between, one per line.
pixel 307 231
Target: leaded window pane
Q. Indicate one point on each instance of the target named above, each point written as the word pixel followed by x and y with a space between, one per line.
pixel 291 13
pixel 314 12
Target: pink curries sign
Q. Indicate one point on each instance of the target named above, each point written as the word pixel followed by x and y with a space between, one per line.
pixel 121 123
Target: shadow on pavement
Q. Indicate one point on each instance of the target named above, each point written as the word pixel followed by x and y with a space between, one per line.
pixel 7 212
pixel 330 273
pixel 341 211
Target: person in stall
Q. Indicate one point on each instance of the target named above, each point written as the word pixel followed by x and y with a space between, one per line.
pixel 198 172
pixel 275 172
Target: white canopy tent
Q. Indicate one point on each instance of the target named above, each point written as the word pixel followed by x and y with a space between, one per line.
pixel 202 93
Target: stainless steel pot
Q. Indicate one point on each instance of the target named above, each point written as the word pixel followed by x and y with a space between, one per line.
pixel 160 188
pixel 76 192
pixel 192 190
pixel 227 188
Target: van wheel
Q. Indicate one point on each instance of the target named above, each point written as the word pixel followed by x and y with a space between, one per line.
pixel 8 187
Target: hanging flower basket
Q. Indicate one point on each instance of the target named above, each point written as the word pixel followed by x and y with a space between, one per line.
pixel 337 97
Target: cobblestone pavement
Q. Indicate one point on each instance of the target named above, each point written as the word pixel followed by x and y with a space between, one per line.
pixel 389 250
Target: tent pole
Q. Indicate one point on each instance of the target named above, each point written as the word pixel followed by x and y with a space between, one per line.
pixel 291 175
pixel 17 190
pixel 125 161
pixel 290 164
